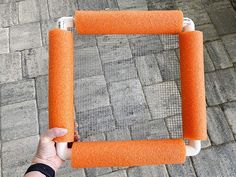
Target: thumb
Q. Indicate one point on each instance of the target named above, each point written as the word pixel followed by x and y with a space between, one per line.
pixel 50 134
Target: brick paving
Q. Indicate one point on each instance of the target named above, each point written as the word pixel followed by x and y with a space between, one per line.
pixel 118 79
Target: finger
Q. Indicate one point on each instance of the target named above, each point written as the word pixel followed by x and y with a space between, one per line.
pixel 76 125
pixel 76 133
pixel 76 137
pixel 50 134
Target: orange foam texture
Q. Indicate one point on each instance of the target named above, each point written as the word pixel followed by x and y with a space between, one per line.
pixel 129 22
pixel 192 85
pixel 128 153
pixel 60 83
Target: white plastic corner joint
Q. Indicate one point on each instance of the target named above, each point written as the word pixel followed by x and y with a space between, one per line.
pixel 193 148
pixel 188 25
pixel 63 151
pixel 65 23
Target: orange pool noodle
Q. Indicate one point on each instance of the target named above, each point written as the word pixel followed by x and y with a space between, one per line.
pixel 128 153
pixel 192 85
pixel 128 22
pixel 60 95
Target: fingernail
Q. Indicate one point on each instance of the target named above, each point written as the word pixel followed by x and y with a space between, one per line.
pixel 63 130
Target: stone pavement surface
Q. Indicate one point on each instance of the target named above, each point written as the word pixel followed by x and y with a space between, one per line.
pixel 117 80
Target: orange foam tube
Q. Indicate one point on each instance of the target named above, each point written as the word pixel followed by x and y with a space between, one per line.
pixel 128 153
pixel 192 85
pixel 128 22
pixel 60 84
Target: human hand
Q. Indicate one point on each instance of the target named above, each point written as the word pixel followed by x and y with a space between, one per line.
pixel 46 152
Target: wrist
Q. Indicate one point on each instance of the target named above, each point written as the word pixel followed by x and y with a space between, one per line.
pixel 34 174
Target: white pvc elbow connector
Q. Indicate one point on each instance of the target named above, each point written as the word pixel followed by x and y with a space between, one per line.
pixel 63 151
pixel 188 25
pixel 65 23
pixel 193 148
